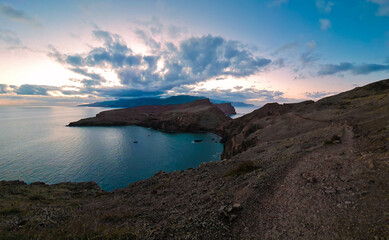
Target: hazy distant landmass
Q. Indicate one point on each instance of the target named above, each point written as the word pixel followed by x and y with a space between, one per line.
pixel 136 102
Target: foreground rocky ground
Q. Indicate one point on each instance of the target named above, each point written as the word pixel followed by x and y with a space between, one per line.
pixel 312 170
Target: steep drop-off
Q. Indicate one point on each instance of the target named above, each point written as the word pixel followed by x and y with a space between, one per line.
pixel 310 170
pixel 200 115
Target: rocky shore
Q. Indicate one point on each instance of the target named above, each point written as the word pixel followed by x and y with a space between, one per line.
pixel 310 170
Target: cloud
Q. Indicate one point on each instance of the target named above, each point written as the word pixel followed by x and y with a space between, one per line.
pixel 285 48
pixel 317 95
pixel 369 68
pixel 9 37
pixel 362 69
pixel 27 89
pixel 309 56
pixel 210 56
pixel 155 28
pixel 238 94
pixel 93 79
pixel 324 5
pixel 124 92
pixel 279 63
pixel 148 40
pixel 17 15
pixel 192 60
pixel 325 24
pixel 3 88
pixel 176 32
pixel 12 40
pixel 330 69
pixel 41 90
pixel 383 7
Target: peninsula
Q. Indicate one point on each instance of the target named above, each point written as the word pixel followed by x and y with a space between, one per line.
pixel 199 115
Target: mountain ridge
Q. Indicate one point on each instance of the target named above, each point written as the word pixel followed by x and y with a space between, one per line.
pixel 136 102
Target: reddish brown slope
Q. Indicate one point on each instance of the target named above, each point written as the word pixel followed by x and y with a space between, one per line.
pixel 200 115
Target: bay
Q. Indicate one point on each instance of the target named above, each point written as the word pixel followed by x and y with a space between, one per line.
pixel 35 145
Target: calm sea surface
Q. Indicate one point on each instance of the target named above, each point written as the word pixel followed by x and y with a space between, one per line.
pixel 35 145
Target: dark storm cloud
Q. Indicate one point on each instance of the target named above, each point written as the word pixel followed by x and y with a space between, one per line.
pixel 362 69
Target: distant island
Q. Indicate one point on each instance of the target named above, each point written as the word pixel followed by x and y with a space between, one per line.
pixel 136 102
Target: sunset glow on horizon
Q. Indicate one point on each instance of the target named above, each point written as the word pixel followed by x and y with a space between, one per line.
pixel 251 51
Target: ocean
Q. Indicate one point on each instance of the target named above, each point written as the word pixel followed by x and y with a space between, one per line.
pixel 35 145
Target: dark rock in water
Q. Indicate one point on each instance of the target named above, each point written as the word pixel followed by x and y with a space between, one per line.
pixel 135 141
pixel 198 140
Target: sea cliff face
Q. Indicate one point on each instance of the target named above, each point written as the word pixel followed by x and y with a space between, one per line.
pixel 310 170
pixel 226 108
pixel 200 115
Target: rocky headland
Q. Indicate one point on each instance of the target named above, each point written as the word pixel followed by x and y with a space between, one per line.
pixel 310 170
pixel 196 116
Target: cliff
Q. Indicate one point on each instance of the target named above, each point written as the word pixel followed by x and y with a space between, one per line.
pixel 310 170
pixel 200 115
pixel 226 108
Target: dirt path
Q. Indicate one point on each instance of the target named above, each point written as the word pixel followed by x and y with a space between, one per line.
pixel 309 200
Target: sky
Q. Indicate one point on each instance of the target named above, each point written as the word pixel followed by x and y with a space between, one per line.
pixel 81 51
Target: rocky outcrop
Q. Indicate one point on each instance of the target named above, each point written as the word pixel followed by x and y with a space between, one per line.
pixel 311 170
pixel 200 115
pixel 226 108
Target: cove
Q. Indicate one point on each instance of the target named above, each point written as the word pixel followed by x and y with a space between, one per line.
pixel 35 145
